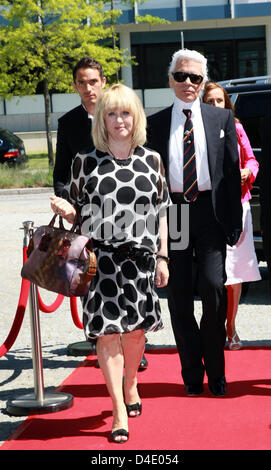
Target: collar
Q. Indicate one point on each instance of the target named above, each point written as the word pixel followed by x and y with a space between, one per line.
pixel 90 116
pixel 179 105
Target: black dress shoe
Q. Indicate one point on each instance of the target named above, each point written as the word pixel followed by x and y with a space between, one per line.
pixel 194 390
pixel 143 363
pixel 217 386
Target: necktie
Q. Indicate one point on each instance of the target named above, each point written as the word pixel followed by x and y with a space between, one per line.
pixel 190 182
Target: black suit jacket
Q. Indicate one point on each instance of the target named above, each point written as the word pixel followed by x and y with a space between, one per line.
pixel 73 135
pixel 223 159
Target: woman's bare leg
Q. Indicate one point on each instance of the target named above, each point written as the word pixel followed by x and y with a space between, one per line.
pixel 111 361
pixel 133 345
pixel 234 294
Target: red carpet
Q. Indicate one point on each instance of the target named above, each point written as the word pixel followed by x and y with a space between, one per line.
pixel 170 420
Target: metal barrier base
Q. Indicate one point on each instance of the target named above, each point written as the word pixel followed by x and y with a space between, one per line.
pixel 83 348
pixel 28 404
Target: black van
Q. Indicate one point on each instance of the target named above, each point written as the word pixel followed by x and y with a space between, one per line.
pixel 251 98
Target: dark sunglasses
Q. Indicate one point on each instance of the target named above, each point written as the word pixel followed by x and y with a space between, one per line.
pixel 182 76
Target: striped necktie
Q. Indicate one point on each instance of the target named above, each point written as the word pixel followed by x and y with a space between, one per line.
pixel 190 182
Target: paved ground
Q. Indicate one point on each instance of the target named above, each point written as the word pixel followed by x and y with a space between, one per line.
pixel 57 329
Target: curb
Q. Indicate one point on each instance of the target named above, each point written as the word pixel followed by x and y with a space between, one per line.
pixel 11 191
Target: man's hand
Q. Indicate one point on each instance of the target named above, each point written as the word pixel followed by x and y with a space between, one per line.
pixel 162 274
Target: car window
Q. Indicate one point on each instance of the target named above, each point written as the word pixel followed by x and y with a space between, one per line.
pixel 250 108
pixel 4 133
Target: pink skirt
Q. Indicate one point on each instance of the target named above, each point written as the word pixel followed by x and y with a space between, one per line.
pixel 241 259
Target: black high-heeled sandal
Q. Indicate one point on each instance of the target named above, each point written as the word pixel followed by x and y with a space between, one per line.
pixel 134 407
pixel 119 432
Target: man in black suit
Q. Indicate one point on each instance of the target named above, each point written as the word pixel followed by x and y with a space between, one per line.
pixel 74 128
pixel 209 210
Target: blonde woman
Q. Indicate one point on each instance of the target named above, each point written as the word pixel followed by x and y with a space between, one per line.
pixel 121 193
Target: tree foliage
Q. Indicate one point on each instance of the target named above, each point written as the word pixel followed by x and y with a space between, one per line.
pixel 43 39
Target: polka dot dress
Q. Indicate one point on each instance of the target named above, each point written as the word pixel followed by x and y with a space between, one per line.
pixel 120 203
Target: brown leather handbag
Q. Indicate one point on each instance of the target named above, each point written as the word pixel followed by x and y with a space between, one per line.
pixel 60 260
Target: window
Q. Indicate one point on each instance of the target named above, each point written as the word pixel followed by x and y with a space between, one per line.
pixel 226 59
pixel 153 62
pixel 250 108
pixel 251 58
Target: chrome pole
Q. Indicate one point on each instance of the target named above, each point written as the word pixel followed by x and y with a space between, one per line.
pixel 38 402
pixel 35 325
pixel 28 225
pixel 36 344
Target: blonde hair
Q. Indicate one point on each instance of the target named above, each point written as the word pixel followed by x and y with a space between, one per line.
pixel 118 96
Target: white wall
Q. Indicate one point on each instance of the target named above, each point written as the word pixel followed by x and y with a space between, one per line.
pixel 36 142
pixel 158 98
pixel 1 106
pixel 34 104
pixel 26 114
pixel 25 104
pixel 63 102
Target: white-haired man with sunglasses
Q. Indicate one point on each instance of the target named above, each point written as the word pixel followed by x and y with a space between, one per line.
pixel 198 146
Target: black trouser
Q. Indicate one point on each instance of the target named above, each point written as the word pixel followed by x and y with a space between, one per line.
pixel 199 347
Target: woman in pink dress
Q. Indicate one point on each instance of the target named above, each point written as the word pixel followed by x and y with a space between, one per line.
pixel 241 260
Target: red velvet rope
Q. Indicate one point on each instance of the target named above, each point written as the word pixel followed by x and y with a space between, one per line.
pixel 54 306
pixel 74 312
pixel 50 308
pixel 19 316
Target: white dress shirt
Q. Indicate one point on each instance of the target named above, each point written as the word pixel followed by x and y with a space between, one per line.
pixel 176 146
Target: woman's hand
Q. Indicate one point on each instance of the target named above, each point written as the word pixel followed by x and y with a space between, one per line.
pixel 64 208
pixel 245 174
pixel 162 273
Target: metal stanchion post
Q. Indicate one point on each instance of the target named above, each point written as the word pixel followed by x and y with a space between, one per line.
pixel 27 226
pixel 39 402
pixel 36 344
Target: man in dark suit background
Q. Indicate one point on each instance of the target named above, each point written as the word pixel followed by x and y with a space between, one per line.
pixel 213 218
pixel 74 127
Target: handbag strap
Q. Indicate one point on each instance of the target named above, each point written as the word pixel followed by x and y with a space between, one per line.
pixel 76 224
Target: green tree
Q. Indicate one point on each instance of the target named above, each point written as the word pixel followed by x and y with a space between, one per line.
pixel 41 40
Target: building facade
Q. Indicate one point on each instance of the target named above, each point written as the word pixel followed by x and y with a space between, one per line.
pixel 234 35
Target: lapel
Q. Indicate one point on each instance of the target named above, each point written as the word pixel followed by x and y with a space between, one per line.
pixel 158 139
pixel 85 120
pixel 164 131
pixel 165 135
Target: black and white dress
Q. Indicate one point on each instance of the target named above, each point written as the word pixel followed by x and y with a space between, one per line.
pixel 120 203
